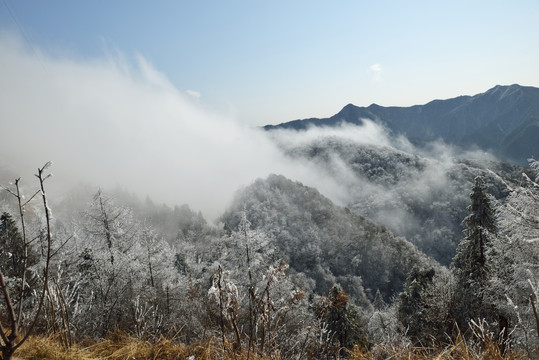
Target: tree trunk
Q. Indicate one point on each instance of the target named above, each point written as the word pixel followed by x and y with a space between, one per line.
pixel 535 314
pixel 503 325
pixel 7 351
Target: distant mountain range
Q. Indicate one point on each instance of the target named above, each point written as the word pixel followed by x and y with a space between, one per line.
pixel 503 121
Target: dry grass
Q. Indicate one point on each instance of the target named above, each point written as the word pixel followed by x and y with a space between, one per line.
pixel 36 348
pixel 460 350
pixel 121 346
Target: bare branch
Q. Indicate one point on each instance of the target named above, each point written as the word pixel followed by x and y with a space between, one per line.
pixel 33 196
pixel 61 246
pixel 9 191
pixel 9 306
pixel 48 258
pixel 25 246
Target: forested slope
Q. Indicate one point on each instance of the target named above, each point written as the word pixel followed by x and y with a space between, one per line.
pixel 327 243
pixel 422 198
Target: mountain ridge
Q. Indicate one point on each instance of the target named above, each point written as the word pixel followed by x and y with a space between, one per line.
pixel 326 242
pixel 504 120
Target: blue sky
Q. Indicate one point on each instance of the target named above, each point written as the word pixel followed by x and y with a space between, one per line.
pixel 274 61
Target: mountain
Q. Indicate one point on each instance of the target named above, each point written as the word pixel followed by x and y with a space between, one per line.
pixel 326 243
pixel 420 198
pixel 504 121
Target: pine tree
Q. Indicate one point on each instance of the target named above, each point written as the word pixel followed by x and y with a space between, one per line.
pixel 415 302
pixel 470 264
pixel 344 322
pixel 13 251
pixel 379 303
pixel 11 246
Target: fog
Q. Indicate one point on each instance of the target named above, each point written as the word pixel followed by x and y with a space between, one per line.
pixel 419 192
pixel 109 121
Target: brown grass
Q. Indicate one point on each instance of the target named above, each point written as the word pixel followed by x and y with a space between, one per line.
pixel 121 346
pixel 460 350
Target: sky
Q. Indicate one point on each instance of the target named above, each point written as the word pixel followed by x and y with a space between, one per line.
pixel 164 98
pixel 267 62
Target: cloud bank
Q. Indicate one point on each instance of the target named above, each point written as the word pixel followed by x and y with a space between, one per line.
pixel 108 122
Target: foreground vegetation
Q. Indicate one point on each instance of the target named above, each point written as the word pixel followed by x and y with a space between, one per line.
pixel 286 275
pixel 121 346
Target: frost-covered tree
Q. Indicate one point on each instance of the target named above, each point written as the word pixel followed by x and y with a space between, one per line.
pixel 16 321
pixel 121 273
pixel 13 250
pixel 470 264
pixel 517 258
pixel 520 214
pixel 158 282
pixel 266 311
pixel 415 302
pixel 384 328
pixel 105 242
pixel 341 321
pixel 379 302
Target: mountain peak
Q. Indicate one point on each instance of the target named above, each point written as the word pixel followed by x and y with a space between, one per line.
pixel 503 92
pixel 504 87
pixel 502 120
pixel 348 108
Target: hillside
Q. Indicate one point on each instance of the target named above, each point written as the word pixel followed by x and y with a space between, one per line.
pixel 324 242
pixel 421 198
pixel 283 257
pixel 503 120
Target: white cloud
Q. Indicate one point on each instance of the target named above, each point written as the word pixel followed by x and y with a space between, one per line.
pixel 369 133
pixel 193 93
pixel 375 71
pixel 109 122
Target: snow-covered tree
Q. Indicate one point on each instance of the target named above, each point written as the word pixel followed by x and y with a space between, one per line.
pixel 105 241
pixel 14 253
pixel 470 264
pixel 16 321
pixel 121 273
pixel 342 322
pixel 415 302
pixel 520 214
pixel 379 302
pixel 517 257
pixel 265 302
pixel 384 328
